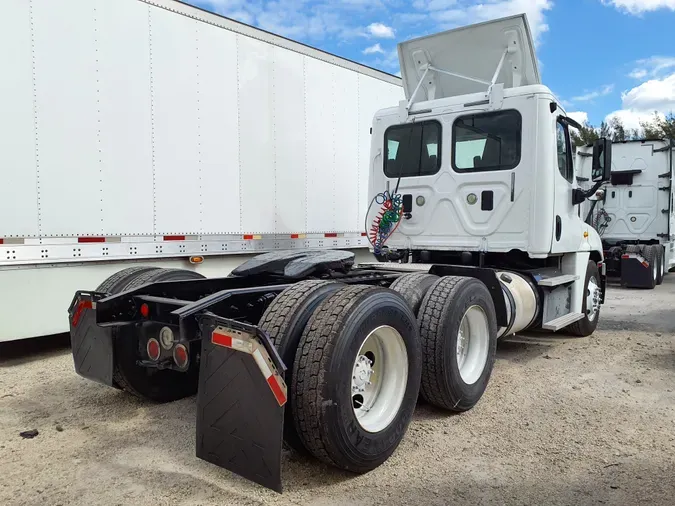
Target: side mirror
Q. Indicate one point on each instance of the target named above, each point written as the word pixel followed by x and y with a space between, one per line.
pixel 602 160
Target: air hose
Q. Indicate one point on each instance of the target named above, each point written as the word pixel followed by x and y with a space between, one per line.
pixel 387 220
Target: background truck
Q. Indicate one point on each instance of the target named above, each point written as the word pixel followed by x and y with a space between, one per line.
pixel 633 212
pixel 474 220
pixel 151 131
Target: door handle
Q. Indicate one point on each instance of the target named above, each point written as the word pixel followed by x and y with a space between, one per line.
pixel 558 228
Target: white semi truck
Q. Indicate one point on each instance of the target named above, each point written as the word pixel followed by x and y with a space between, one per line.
pixel 633 212
pixel 474 220
pixel 151 131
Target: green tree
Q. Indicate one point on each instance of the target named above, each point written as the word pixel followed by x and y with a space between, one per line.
pixel 618 130
pixel 659 127
pixel 586 135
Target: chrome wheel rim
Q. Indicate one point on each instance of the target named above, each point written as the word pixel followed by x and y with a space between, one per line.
pixel 473 342
pixel 592 299
pixel 379 378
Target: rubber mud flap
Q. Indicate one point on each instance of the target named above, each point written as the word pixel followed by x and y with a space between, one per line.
pixel 240 401
pixel 91 345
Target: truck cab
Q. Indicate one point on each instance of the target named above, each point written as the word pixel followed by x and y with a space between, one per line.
pixel 479 159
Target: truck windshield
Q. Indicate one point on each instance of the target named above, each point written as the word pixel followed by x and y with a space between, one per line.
pixel 412 150
pixel 487 141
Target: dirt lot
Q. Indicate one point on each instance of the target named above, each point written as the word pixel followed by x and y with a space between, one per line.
pixel 564 421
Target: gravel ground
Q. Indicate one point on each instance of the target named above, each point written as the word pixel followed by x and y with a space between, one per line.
pixel 564 421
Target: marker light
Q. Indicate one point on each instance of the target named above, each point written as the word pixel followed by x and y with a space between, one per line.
pixel 180 356
pixel 153 349
pixel 166 338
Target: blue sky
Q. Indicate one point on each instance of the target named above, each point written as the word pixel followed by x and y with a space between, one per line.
pixel 601 57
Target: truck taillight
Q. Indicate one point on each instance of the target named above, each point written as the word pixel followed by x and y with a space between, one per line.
pixel 153 349
pixel 145 310
pixel 180 356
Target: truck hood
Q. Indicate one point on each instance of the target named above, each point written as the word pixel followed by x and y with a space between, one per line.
pixel 473 51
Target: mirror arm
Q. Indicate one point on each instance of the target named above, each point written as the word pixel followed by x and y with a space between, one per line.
pixel 595 188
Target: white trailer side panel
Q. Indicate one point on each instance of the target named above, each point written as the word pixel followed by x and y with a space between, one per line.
pixel 139 120
pixel 218 135
pixel 18 158
pixel 290 144
pixel 125 112
pixel 66 101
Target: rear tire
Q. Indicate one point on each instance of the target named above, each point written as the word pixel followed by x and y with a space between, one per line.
pixel 414 287
pixel 328 415
pixel 650 254
pixel 660 254
pixel 158 386
pixel 586 326
pixel 114 284
pixel 284 321
pixel 452 378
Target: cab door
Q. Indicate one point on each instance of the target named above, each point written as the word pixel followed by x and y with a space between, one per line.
pixel 567 224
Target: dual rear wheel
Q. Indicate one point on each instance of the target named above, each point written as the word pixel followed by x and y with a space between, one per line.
pixel 361 356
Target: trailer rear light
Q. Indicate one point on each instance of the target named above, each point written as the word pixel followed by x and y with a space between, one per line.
pixel 196 260
pixel 180 356
pixel 145 310
pixel 153 349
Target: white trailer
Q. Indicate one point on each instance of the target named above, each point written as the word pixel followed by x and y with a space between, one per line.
pixel 474 219
pixel 633 212
pixel 153 131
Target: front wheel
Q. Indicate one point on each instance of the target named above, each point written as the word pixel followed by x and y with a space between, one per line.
pixel 591 303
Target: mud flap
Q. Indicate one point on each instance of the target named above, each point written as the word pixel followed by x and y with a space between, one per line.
pixel 91 345
pixel 241 401
pixel 635 271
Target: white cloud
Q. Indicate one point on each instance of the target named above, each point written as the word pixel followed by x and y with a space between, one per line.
pixel 580 117
pixel 654 66
pixel 638 74
pixel 655 94
pixel 592 95
pixel 373 49
pixel 637 7
pixel 640 103
pixel 630 119
pixel 381 30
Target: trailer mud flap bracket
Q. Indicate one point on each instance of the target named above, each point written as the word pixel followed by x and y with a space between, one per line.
pixel 241 401
pixel 91 345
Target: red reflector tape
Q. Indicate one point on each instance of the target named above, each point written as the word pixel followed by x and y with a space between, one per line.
pixel 233 343
pixel 248 344
pixel 625 256
pixel 293 236
pixel 2 241
pixel 330 235
pixel 277 390
pixel 645 264
pixel 84 304
pixel 273 379
pixel 91 239
pixel 174 237
pixel 221 340
pixel 363 234
pixel 248 237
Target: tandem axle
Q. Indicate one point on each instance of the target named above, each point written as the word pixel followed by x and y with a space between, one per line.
pixel 303 348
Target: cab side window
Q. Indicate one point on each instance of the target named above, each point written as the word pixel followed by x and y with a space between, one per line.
pixel 565 165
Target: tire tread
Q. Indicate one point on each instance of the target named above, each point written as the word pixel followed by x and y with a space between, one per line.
pixel 316 346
